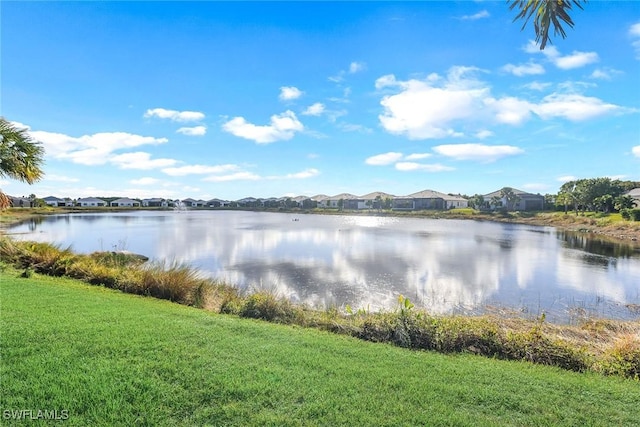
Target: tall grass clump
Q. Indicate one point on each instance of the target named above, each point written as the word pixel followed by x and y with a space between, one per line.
pixel 266 305
pixel 174 282
pixel 623 358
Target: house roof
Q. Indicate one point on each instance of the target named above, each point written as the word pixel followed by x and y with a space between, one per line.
pixel 91 199
pixel 515 190
pixel 52 199
pixel 375 194
pixel 319 197
pixel 634 193
pixel 344 196
pixel 428 194
pixel 124 200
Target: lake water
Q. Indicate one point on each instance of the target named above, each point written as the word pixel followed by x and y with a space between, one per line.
pixel 445 266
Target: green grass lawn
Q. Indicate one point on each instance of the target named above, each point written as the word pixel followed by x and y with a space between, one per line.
pixel 110 358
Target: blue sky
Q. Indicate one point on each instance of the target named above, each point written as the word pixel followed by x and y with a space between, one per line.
pixel 238 99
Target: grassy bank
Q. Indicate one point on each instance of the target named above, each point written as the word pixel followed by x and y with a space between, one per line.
pixel 604 346
pixel 108 358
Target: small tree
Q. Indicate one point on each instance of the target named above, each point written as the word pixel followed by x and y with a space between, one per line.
pixel 510 197
pixel 21 157
pixel 623 202
pixel 495 201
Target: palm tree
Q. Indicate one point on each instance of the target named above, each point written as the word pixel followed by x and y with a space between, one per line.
pixel 546 13
pixel 21 157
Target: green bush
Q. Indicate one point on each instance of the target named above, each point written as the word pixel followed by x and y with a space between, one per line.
pixel 622 359
pixel 630 214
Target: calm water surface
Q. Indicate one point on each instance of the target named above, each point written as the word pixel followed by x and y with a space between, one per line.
pixel 444 266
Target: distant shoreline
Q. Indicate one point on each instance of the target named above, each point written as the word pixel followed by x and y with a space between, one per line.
pixel 603 226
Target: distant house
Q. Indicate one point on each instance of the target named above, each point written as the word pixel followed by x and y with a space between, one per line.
pixel 57 202
pixel 250 202
pixel 635 195
pixel 526 201
pixel 217 203
pixel 374 200
pixel 19 202
pixel 91 202
pixel 155 203
pixel 348 201
pixel 192 203
pixel 455 202
pixel 125 203
pixel 321 200
pixel 425 199
pixel 52 201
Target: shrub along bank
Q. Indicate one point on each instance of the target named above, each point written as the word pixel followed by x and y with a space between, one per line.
pixel 608 347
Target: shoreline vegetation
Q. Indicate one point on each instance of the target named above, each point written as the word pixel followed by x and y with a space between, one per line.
pixel 609 347
pixel 83 355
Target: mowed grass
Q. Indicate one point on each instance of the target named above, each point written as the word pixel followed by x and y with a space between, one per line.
pixel 110 358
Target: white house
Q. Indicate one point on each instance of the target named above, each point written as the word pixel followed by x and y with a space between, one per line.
pixel 91 202
pixel 155 202
pixel 125 202
pixel 54 201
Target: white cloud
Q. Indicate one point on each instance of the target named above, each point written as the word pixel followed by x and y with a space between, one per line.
pixel 412 166
pixel 530 68
pixel 200 169
pixel 238 176
pixel 634 32
pixel 576 60
pixel 617 177
pixel 314 110
pixel 422 110
pixel 250 176
pixel 636 151
pixel 418 156
pixel 475 16
pixel 383 159
pixel 573 107
pixel 308 173
pixel 352 127
pixel 539 86
pixel 434 107
pixel 510 110
pixel 140 160
pixel 604 73
pixel 289 93
pixel 356 67
pixel 173 115
pixel 60 178
pixel 90 149
pixel 144 181
pixel 193 131
pixel 535 186
pixel 282 127
pixel 566 178
pixel 478 152
pixel 482 134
